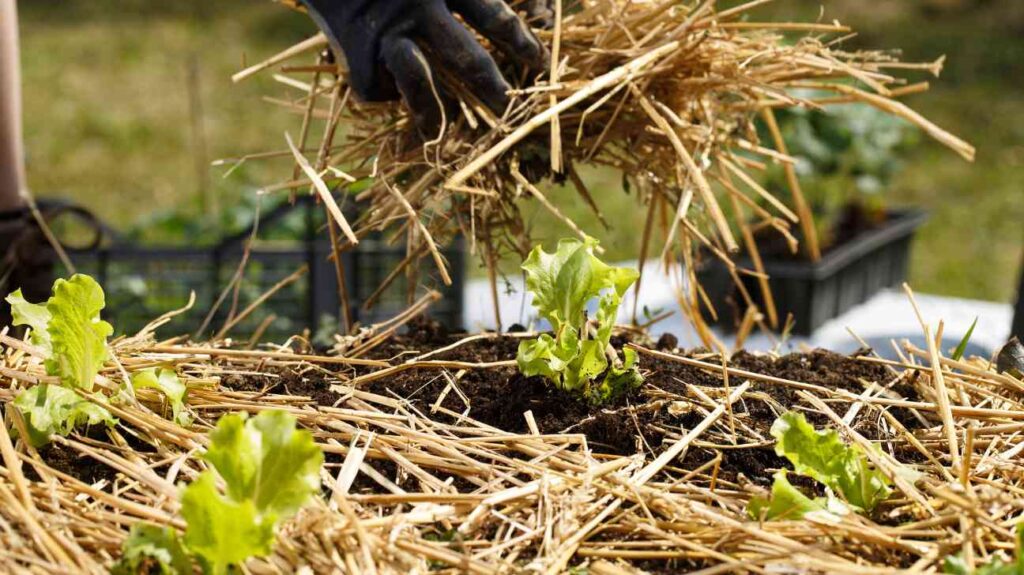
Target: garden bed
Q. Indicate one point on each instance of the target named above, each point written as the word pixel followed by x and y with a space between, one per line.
pixel 439 455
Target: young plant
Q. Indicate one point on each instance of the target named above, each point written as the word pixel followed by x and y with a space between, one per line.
pixel 68 329
pixel 168 383
pixel 579 357
pixel 821 455
pixel 961 348
pixel 269 469
pixel 69 332
pixel 52 409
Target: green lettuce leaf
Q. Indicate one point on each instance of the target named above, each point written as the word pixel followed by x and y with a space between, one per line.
pixel 167 382
pixel 785 503
pixel 542 356
pixel 221 531
pixel 78 335
pixel 589 362
pixel 50 409
pixel 151 549
pixel 619 381
pixel 822 455
pixel 563 282
pixel 270 469
pixel 957 566
pixel 33 315
pixel 267 461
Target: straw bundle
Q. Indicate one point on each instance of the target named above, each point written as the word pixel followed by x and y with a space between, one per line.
pixel 665 92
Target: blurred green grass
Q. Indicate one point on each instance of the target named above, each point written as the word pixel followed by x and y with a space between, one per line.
pixel 108 120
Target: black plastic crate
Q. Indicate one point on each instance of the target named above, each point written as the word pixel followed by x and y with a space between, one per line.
pixel 143 283
pixel 815 292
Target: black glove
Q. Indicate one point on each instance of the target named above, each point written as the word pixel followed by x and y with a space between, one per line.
pixel 391 45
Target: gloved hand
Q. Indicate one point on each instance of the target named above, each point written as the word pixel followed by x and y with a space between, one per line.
pixel 391 47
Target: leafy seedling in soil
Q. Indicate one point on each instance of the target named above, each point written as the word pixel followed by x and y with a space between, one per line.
pixel 52 409
pixel 579 357
pixel 69 332
pixel 820 455
pixel 788 502
pixel 153 550
pixel 68 329
pixel 168 383
pixel 72 337
pixel 270 470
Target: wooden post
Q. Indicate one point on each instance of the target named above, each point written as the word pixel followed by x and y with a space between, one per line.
pixel 12 154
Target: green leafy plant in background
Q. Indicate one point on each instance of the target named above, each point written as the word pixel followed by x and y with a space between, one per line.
pixel 845 155
pixel 844 470
pixel 579 357
pixel 857 141
pixel 955 564
pixel 68 330
pixel 269 469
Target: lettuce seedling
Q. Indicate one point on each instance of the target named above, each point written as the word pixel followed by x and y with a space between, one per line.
pixel 269 469
pixel 168 383
pixel 579 353
pixel 821 455
pixel 69 332
pixel 68 329
pixel 52 409
pixel 787 502
pixel 155 550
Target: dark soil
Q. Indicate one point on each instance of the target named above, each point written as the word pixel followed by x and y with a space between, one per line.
pixel 287 382
pixel 67 460
pixel 499 397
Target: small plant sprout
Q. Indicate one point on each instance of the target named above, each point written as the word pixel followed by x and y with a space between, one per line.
pixel 844 470
pixel 961 348
pixel 578 357
pixel 269 470
pixel 72 338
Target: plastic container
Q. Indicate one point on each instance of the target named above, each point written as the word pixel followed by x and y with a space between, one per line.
pixel 815 292
pixel 144 282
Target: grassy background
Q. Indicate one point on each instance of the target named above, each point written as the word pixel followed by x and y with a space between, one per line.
pixel 109 121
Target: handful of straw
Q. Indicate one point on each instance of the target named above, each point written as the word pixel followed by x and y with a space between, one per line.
pixel 665 92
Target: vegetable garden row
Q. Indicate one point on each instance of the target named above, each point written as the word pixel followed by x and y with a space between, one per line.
pixel 589 449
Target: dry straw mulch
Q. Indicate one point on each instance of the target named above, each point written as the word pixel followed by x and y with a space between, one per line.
pixel 410 490
pixel 665 92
